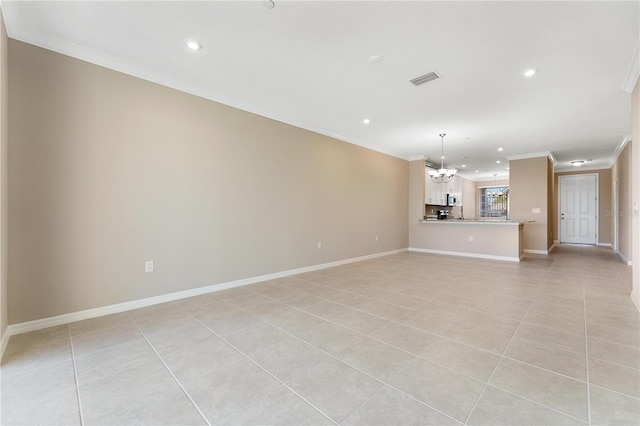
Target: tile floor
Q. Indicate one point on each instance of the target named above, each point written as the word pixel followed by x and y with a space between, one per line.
pixel 403 339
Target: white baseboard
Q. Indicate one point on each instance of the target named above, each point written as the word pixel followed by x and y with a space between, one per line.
pixel 604 244
pixel 465 254
pixel 624 259
pixel 39 324
pixel 4 341
pixel 536 251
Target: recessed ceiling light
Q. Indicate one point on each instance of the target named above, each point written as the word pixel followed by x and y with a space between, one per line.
pixel 375 59
pixel 477 171
pixel 268 4
pixel 507 168
pixel 530 73
pixel 366 121
pixel 464 165
pixel 497 161
pixel 577 163
pixel 500 149
pixel 194 45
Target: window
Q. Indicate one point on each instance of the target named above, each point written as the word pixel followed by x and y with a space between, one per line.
pixel 494 202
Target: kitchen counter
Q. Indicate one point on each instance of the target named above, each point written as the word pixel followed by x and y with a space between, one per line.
pixel 497 240
pixel 472 222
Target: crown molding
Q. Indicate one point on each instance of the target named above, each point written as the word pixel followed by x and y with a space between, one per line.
pixel 633 73
pixel 547 154
pixel 616 153
pixel 565 169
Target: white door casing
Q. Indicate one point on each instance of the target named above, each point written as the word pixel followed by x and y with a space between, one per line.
pixel 578 208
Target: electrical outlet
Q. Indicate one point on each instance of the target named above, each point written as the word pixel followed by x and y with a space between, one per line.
pixel 535 210
pixel 376 238
pixel 148 266
pixel 319 245
pixel 470 238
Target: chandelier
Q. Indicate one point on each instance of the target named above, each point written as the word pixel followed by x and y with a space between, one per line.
pixel 497 191
pixel 442 174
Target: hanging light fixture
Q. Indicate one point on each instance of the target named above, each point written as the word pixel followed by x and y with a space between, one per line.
pixel 442 174
pixel 495 186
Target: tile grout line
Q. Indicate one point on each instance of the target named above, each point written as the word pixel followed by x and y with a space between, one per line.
pixel 539 404
pixel 271 298
pixel 431 333
pixel 171 373
pixel 337 359
pixel 586 350
pixel 506 348
pixel 346 363
pixel 266 371
pixel 75 377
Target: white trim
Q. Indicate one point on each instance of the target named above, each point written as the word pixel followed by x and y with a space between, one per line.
pixel 547 154
pixel 561 179
pixel 624 259
pixel 418 157
pixel 633 73
pixel 39 324
pixel 536 251
pixel 570 168
pixel 465 254
pixel 95 57
pixel 616 153
pixel 604 244
pixel 4 342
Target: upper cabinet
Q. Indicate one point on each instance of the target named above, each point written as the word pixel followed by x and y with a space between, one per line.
pixel 436 193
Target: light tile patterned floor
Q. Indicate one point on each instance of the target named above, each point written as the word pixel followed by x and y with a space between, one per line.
pixel 403 339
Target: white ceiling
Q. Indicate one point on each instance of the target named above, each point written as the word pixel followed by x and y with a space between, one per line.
pixel 307 64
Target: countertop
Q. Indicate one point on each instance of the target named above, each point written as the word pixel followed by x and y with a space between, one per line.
pixel 472 222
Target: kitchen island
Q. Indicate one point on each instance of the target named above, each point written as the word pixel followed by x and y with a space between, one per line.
pixel 498 240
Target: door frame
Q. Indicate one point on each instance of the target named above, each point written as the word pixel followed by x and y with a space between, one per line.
pixel 616 209
pixel 596 208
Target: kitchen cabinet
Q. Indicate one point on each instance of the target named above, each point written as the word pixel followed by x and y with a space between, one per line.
pixel 436 193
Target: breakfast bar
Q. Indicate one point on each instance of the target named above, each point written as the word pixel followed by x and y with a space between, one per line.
pixel 498 240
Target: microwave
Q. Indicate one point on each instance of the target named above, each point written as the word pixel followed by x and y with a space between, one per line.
pixel 451 200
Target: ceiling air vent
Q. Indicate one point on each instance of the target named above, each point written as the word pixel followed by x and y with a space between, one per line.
pixel 425 78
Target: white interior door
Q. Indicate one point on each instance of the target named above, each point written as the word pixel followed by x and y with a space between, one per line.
pixel 578 206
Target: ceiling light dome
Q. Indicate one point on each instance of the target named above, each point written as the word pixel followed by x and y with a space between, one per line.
pixel 194 45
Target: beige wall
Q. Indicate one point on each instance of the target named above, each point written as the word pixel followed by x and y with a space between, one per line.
pixel 498 240
pixel 635 191
pixel 416 198
pixel 621 173
pixel 528 181
pixel 107 171
pixel 4 173
pixel 605 206
pixel 469 195
pixel 551 188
